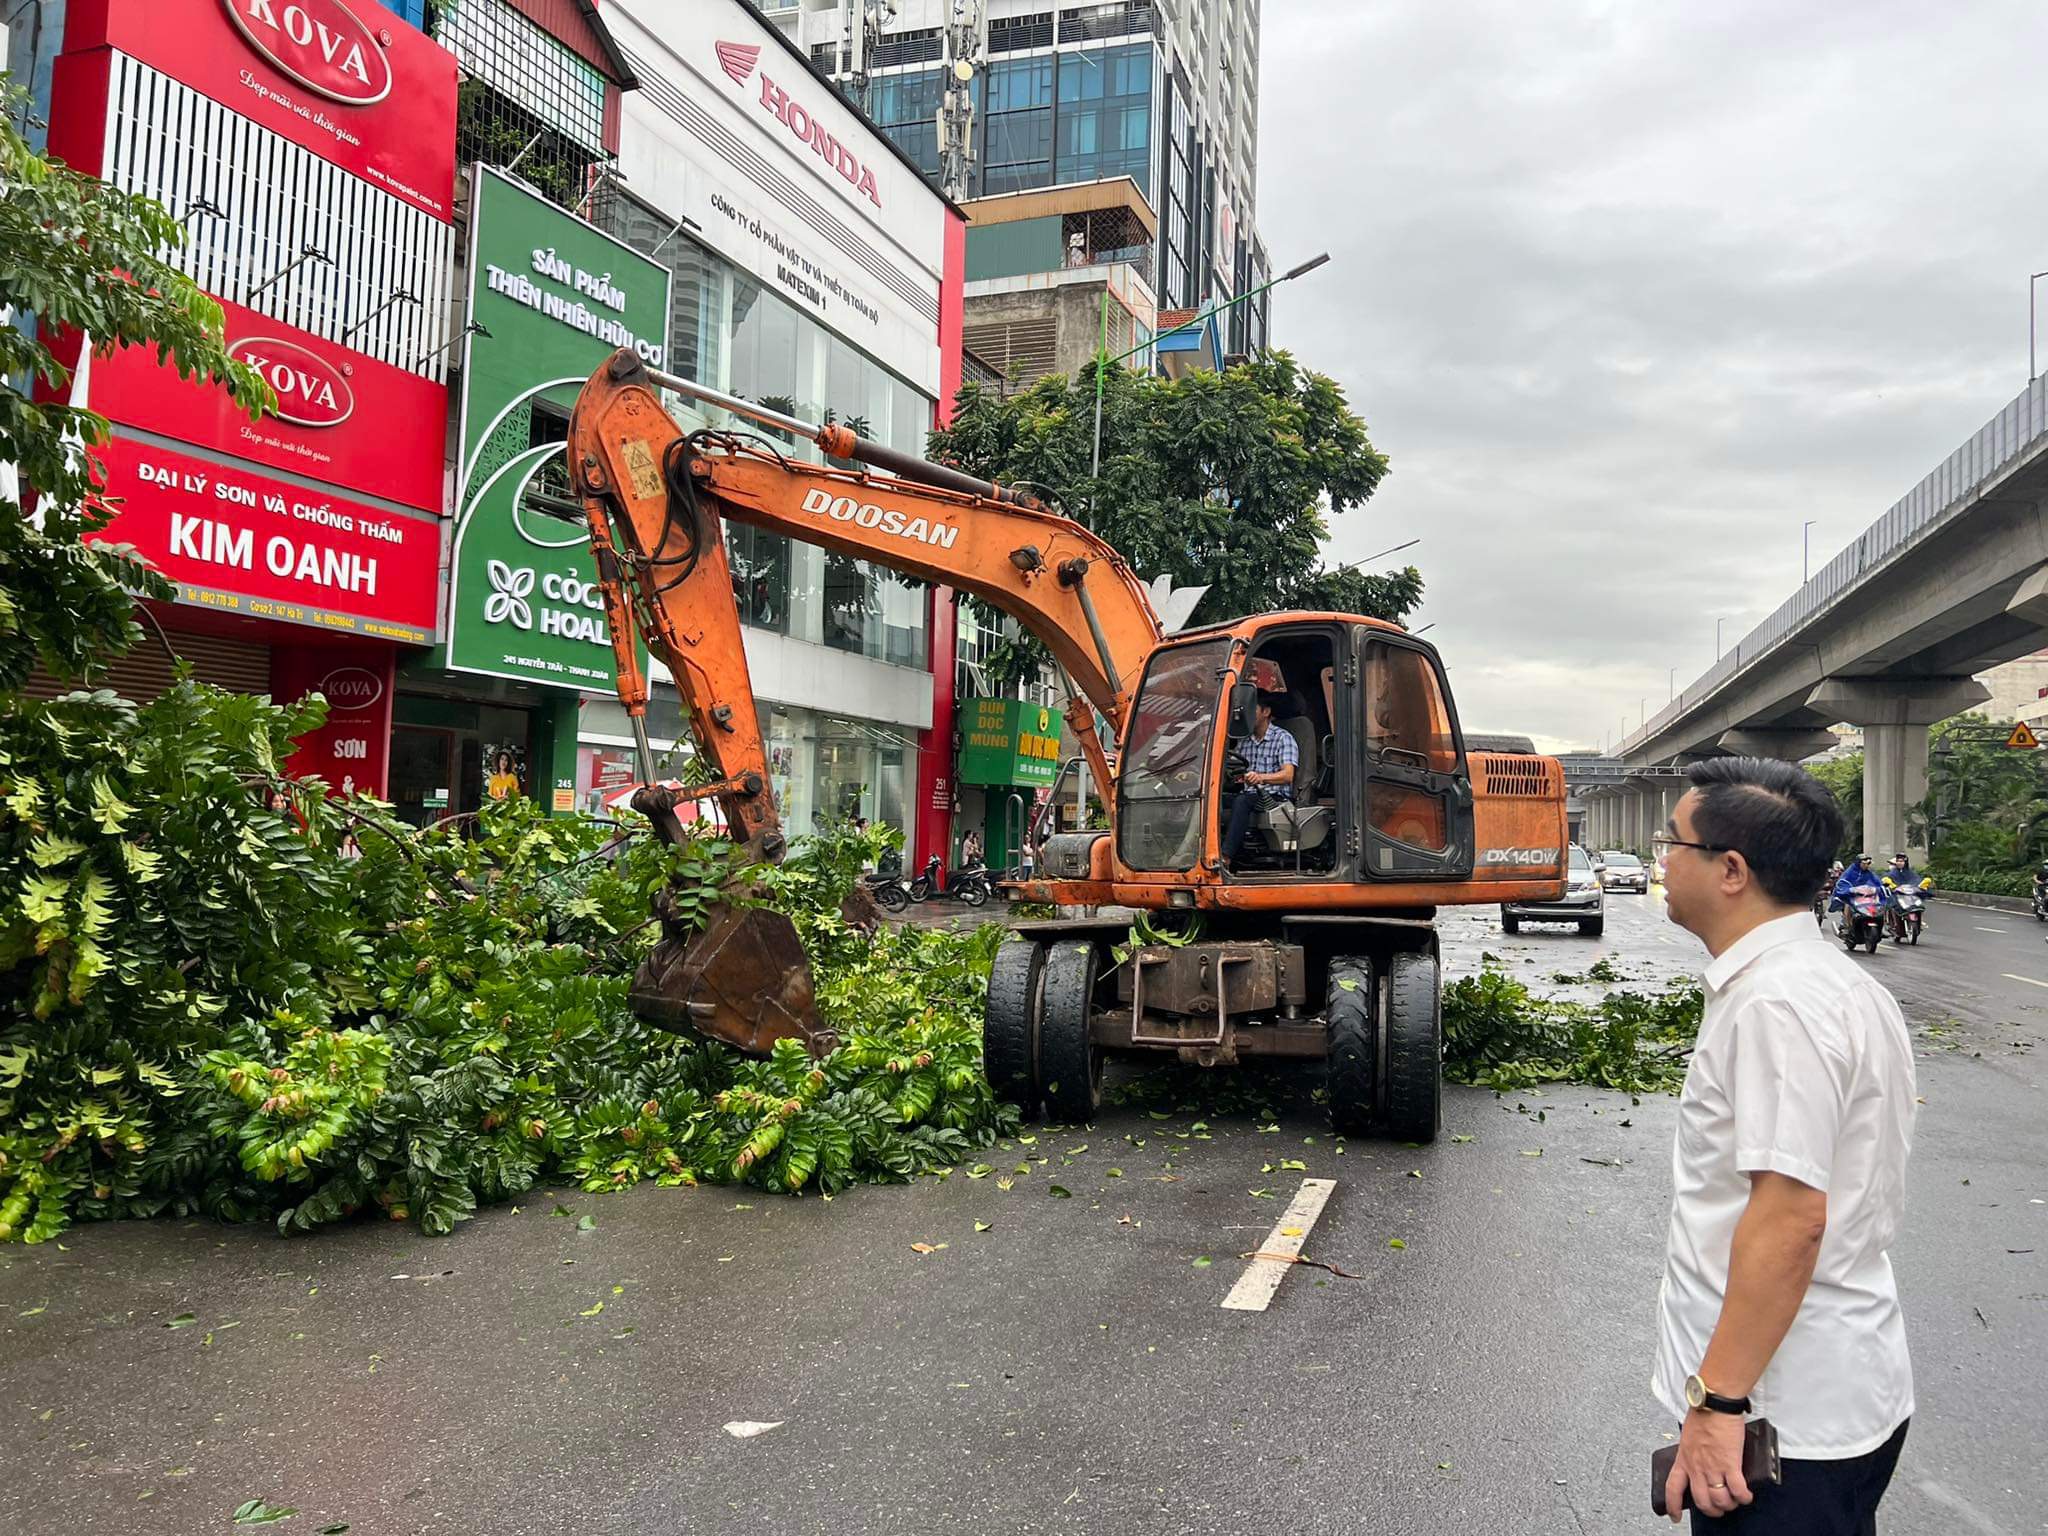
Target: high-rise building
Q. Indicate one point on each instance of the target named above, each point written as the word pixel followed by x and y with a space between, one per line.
pixel 1165 92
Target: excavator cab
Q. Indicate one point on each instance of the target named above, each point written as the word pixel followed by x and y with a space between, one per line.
pixel 1380 790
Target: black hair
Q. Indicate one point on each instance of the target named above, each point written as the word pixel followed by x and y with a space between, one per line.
pixel 1780 818
pixel 1273 701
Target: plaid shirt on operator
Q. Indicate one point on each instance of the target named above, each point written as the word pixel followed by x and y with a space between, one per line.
pixel 1269 754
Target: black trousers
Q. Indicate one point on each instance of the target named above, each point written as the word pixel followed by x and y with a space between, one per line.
pixel 1242 809
pixel 1817 1498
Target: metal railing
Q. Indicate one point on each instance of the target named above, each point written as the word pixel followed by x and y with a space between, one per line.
pixel 2018 432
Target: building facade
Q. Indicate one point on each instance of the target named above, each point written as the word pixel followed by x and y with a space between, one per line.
pixel 496 207
pixel 1165 92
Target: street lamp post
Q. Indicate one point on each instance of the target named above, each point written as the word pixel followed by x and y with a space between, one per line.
pixel 2032 278
pixel 1717 637
pixel 1805 548
pixel 1671 681
pixel 1103 363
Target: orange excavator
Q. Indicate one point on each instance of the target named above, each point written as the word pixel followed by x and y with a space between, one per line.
pixel 1316 941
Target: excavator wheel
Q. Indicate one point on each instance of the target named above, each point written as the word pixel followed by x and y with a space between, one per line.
pixel 1009 1033
pixel 1069 1064
pixel 1350 1070
pixel 1415 1048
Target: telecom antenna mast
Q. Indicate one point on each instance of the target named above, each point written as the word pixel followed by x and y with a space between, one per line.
pixel 966 40
pixel 865 20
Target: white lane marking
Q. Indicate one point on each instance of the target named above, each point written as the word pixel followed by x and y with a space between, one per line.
pixel 1262 1277
pixel 2008 975
pixel 1982 929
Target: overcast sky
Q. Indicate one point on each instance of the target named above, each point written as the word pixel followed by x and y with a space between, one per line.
pixel 1628 291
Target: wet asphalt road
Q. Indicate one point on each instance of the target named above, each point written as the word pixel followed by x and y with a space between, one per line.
pixel 1070 1369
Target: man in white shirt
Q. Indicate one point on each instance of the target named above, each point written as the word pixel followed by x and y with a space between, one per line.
pixel 1789 1174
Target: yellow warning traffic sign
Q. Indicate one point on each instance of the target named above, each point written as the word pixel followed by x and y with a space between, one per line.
pixel 2023 737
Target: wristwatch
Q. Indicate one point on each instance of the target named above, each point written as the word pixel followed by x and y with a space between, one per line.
pixel 1697 1396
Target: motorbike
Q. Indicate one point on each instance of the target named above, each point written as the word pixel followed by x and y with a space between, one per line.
pixel 926 884
pixel 1862 919
pixel 887 889
pixel 1906 910
pixel 972 883
pixel 2041 901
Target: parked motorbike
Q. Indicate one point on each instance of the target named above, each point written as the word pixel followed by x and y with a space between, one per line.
pixel 887 889
pixel 1862 919
pixel 972 883
pixel 927 881
pixel 1906 910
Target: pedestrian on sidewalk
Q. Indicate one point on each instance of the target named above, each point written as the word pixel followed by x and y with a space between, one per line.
pixel 1789 1171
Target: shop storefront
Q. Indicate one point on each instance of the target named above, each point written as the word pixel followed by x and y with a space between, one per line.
pixel 497 710
pixel 814 271
pixel 305 548
pixel 1009 758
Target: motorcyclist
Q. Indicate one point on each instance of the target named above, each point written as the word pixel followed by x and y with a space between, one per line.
pixel 1856 877
pixel 1899 876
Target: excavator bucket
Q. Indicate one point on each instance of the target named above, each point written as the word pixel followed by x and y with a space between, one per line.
pixel 742 979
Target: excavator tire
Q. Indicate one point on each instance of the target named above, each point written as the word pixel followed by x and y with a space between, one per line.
pixel 1415 1048
pixel 1350 1070
pixel 1069 1063
pixel 1009 1034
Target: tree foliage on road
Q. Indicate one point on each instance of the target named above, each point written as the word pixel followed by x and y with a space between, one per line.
pixel 207 1005
pixel 1229 479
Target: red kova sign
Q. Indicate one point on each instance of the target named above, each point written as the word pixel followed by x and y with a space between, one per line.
pixel 237 542
pixel 343 78
pixel 342 417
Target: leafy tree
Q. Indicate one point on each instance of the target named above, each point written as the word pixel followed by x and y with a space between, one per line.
pixel 1843 777
pixel 1986 807
pixel 1226 479
pixel 81 256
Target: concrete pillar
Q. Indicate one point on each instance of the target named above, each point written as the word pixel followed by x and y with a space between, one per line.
pixel 1894 713
pixel 1649 818
pixel 1673 793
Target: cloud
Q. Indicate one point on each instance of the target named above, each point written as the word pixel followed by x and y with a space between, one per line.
pixel 1628 292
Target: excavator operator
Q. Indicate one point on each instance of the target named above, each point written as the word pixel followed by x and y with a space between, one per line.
pixel 1271 757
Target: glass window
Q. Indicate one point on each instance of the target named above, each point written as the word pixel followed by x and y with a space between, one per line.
pixel 1017 128
pixel 760 576
pixel 1105 115
pixel 1405 715
pixel 1578 859
pixel 1165 762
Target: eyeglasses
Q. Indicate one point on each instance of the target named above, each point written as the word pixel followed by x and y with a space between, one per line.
pixel 1664 841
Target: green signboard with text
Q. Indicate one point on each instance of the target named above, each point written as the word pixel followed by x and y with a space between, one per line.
pixel 552 297
pixel 1006 741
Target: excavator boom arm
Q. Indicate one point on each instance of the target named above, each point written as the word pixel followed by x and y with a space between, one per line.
pixel 656 499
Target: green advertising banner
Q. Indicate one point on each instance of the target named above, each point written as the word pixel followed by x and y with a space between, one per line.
pixel 550 297
pixel 1006 741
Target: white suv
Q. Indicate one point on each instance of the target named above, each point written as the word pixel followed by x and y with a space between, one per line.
pixel 1583 902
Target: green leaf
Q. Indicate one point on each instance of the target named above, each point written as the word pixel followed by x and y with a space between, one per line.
pixel 256 1512
pixel 1059 1192
pixel 182 1320
pixel 980 1171
pixel 984 1226
pixel 587 1224
pixel 591 1311
pixel 1204 1262
pixel 1395 1242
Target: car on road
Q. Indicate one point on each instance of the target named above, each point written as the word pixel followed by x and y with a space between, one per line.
pixel 1583 901
pixel 1623 872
